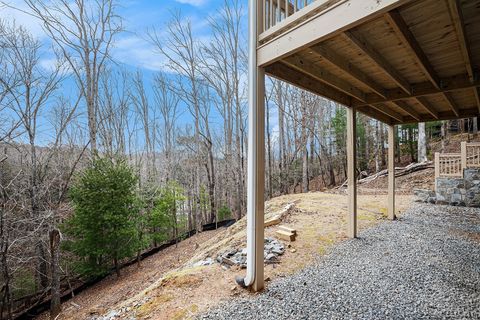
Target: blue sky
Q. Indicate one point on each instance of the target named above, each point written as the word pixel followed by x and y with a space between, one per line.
pixel 138 16
pixel 131 49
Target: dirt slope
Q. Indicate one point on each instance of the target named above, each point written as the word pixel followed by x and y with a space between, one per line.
pixel 168 286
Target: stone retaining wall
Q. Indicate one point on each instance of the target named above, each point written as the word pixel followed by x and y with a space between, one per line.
pixel 459 191
pixel 472 187
pixel 454 191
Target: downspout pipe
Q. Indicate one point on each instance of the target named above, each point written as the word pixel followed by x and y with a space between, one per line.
pixel 252 145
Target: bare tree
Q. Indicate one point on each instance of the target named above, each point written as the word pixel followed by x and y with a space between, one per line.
pixel 113 111
pixel 83 31
pixel 168 104
pixel 37 188
pixel 223 67
pixel 181 51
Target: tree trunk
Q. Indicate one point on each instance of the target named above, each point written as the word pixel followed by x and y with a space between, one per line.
pixel 410 144
pixel 55 305
pixel 117 267
pixel 422 143
pixel 382 145
pixel 269 153
pixel 42 269
pixel 378 148
pixel 444 134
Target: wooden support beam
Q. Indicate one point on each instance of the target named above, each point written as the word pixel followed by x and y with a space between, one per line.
pixel 456 83
pixel 408 39
pixel 351 171
pixel 372 113
pixel 258 183
pixel 361 43
pixel 303 65
pixel 256 155
pixel 425 104
pixel 408 109
pixel 299 79
pixel 324 24
pixel 344 65
pixel 451 103
pixel 463 156
pixel 476 92
pixel 457 18
pixel 444 115
pixel 391 172
pixel 387 111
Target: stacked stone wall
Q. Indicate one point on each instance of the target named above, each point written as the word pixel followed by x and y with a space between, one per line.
pixel 454 191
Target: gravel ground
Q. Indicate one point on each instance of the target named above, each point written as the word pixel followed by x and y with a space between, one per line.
pixel 426 265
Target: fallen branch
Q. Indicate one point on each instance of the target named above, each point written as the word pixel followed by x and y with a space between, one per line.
pixel 399 171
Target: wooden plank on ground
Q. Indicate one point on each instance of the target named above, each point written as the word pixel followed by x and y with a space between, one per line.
pixel 284 235
pixel 288 229
pixel 272 221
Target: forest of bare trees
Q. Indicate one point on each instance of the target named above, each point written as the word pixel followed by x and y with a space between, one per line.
pixel 55 120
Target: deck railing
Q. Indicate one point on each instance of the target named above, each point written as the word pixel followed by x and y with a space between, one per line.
pixel 276 11
pixel 280 16
pixel 448 165
pixel 472 154
pixel 453 164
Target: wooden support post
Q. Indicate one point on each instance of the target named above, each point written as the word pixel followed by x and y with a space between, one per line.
pixel 391 172
pixel 463 152
pixel 256 155
pixel 437 165
pixel 351 171
pixel 259 284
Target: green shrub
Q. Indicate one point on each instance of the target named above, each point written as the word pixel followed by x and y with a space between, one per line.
pixel 105 225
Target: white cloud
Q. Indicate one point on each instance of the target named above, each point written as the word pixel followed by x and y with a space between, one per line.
pixel 196 3
pixel 137 52
pixel 48 64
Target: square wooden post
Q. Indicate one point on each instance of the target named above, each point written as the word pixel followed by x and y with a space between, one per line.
pixel 463 153
pixel 351 171
pixel 391 172
pixel 259 284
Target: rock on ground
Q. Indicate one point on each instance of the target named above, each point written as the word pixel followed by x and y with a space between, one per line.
pixel 426 265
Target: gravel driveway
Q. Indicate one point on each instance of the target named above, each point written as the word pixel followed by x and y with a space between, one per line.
pixel 426 265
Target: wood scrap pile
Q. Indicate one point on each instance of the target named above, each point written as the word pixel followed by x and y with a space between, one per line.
pixel 286 233
pixel 279 216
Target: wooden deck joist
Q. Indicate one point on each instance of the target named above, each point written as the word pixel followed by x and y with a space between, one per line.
pixel 335 54
pixel 408 39
pixel 311 69
pixel 361 43
pixel 349 69
pixel 428 107
pixel 451 84
pixel 408 109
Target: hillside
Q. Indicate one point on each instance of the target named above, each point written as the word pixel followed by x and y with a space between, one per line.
pixel 172 285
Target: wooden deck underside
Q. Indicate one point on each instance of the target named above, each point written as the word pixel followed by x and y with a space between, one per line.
pixel 414 62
